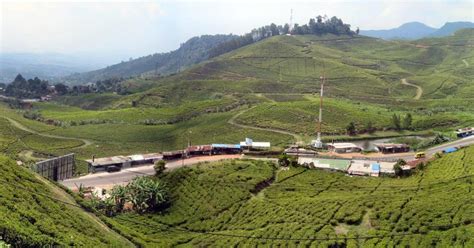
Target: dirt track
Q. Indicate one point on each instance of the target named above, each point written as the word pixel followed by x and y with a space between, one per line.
pixel 231 121
pixel 419 90
pixel 26 129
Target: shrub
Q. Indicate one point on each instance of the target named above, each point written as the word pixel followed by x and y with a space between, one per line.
pixel 159 167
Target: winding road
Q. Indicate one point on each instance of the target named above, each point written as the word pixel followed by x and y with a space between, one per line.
pixel 26 129
pixel 419 90
pixel 231 121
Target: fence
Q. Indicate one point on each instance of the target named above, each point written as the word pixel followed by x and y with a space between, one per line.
pixel 57 169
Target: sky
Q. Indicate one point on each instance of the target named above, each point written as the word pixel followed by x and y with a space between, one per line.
pixel 124 29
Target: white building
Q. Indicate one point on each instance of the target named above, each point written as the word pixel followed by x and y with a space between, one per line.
pixel 344 147
pixel 250 144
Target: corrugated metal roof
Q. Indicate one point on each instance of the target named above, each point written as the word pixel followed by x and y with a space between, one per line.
pixel 171 153
pixel 343 145
pixel 256 144
pixel 335 164
pixel 138 157
pixel 108 160
pixel 200 148
pixel 391 145
pixel 226 146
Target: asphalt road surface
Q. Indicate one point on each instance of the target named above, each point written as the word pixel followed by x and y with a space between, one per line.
pixel 107 180
pixel 431 151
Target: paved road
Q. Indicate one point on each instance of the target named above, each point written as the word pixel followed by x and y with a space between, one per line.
pixel 431 151
pixel 107 180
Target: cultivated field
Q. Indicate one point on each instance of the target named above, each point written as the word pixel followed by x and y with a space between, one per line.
pixel 227 204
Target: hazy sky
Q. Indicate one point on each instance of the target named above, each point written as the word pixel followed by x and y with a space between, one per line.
pixel 135 28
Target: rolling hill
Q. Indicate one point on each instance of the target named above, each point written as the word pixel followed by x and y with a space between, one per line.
pixel 409 31
pixel 356 67
pixel 191 52
pixel 417 30
pixel 268 91
pixel 450 28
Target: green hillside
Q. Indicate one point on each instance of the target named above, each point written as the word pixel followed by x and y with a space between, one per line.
pixel 356 67
pixel 267 91
pixel 35 213
pixel 309 207
pixel 191 52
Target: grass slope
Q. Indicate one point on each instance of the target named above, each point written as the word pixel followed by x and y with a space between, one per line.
pixel 29 217
pixel 279 78
pixel 218 205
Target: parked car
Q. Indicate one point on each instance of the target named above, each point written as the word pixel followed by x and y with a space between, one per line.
pixel 113 168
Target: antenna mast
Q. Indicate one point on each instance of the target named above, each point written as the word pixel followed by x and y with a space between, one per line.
pixel 291 21
pixel 318 143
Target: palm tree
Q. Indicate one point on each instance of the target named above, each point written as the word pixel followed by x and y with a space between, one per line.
pixel 146 194
pixel 120 196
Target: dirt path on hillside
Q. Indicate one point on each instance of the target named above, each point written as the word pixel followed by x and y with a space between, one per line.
pixel 231 121
pixel 26 129
pixel 465 62
pixel 419 90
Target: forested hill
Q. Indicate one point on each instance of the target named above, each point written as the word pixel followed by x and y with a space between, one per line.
pixel 191 52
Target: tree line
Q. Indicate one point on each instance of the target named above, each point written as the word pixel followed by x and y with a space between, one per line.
pixel 37 88
pixel 31 88
pixel 316 26
pixel 398 124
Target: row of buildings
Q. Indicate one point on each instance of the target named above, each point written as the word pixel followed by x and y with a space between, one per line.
pixel 117 163
pixel 383 148
pixel 351 167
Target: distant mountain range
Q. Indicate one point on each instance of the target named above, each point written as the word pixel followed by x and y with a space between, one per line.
pixel 47 66
pixel 193 51
pixel 417 30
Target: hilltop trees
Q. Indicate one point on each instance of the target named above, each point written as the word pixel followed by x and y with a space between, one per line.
pixel 318 26
pixel 333 25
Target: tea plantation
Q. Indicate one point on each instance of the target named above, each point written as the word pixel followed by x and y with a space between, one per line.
pixel 34 213
pixel 254 203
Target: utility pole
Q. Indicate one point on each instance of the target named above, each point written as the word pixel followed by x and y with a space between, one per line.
pixel 318 143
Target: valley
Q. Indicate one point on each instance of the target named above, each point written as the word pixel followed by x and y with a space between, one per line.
pixel 203 146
